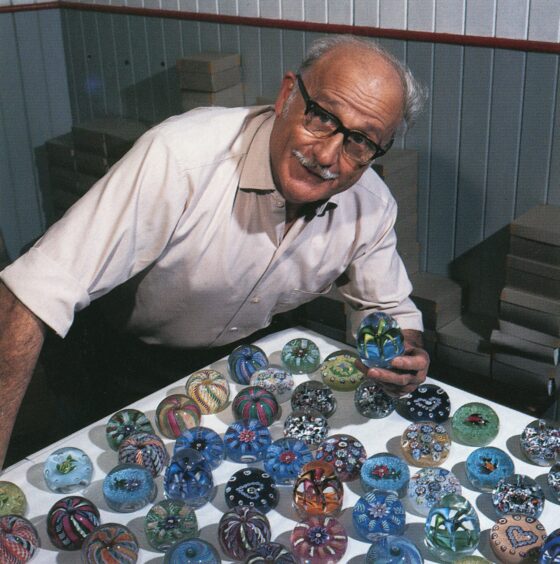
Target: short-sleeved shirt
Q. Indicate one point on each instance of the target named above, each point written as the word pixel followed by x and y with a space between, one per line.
pixel 191 229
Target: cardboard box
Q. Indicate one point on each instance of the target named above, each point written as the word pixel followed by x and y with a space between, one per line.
pixel 534 250
pixel 534 319
pixel 93 164
pixel 61 152
pixel 530 300
pixel 229 98
pixel 541 223
pixel 208 62
pixel 210 82
pixel 533 276
pixel 469 333
pixel 71 181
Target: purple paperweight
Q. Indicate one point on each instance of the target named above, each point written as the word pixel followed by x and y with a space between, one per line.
pixel 319 539
pixel 241 530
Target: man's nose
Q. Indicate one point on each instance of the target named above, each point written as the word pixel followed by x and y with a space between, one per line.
pixel 328 149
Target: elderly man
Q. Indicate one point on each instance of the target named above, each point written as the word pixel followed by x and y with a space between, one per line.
pixel 219 219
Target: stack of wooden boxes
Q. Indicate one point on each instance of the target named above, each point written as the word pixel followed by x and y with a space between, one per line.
pixel 210 79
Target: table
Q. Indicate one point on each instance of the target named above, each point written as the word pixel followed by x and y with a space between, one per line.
pixel 377 435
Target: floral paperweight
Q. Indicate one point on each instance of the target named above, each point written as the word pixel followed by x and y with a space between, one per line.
pixel 346 453
pixel 204 440
pixel 517 538
pixel 176 413
pixel 307 425
pixel 428 486
pixel 393 549
pixel 19 540
pixel 314 395
pixel 371 401
pixel 67 470
pixel 124 423
pixel 241 530
pixel 427 403
pixel 284 459
pixel 251 487
pixel 110 542
pixel 275 380
pixel 192 551
pixel 168 522
pixel 378 512
pixel 12 499
pixel 385 471
pixel 518 494
pixel 247 441
pixel 301 356
pixel 550 551
pixel 318 490
pixel 475 424
pixel 189 478
pixel 145 449
pixel 553 479
pixel 339 371
pixel 270 552
pixel 486 466
pixel 452 528
pixel 254 402
pixel 425 444
pixel 244 361
pixel 129 487
pixel 209 389
pixel 379 340
pixel 70 520
pixel 319 539
pixel 540 442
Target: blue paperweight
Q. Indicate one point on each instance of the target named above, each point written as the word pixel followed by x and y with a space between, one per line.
pixel 124 423
pixel 251 487
pixel 550 550
pixel 391 549
pixel 244 361
pixel 371 401
pixel 192 551
pixel 379 512
pixel 486 466
pixel 553 479
pixel 379 340
pixel 129 487
pixel 428 486
pixel 314 395
pixel 67 470
pixel 346 453
pixel 189 478
pixel 246 440
pixel 385 471
pixel 518 494
pixel 284 459
pixel 204 440
pixel 301 356
pixel 427 403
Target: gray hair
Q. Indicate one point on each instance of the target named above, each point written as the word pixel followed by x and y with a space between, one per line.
pixel 415 94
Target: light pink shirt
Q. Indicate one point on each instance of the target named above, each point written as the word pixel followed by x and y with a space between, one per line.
pixel 192 219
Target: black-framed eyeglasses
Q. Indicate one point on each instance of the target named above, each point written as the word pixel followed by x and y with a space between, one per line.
pixel 321 123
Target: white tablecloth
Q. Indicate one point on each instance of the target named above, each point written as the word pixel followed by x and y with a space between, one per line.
pixel 377 435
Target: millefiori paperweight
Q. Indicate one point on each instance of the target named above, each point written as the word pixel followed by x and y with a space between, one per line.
pixel 385 471
pixel 425 444
pixel 67 470
pixel 192 551
pixel 270 552
pixel 393 549
pixel 284 459
pixel 379 340
pixel 146 450
pixel 371 401
pixel 314 395
pixel 340 371
pixel 346 453
pixel 70 520
pixel 553 479
pixel 540 442
pixel 308 425
pixel 168 522
pixel 475 424
pixel 204 440
pixel 110 543
pixel 251 487
pixel 378 512
pixel 176 413
pixel 124 423
pixel 301 356
pixel 427 403
pixel 244 361
pixel 319 539
pixel 550 550
pixel 129 487
pixel 517 538
pixel 254 402
pixel 428 486
pixel 518 494
pixel 486 466
pixel 318 490
pixel 247 440
pixel 209 389
pixel 12 499
pixel 19 540
pixel 276 380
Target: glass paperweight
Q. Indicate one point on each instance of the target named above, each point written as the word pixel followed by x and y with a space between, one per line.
pixel 452 528
pixel 209 389
pixel 246 441
pixel 270 552
pixel 475 424
pixel 276 380
pixel 385 471
pixel 124 423
pixel 251 487
pixel 314 395
pixel 540 442
pixel 67 470
pixel 301 356
pixel 472 559
pixel 110 543
pixel 192 551
pixel 319 539
pixel 553 479
pixel 254 402
pixel 379 340
pixel 425 444
pixel 19 540
pixel 426 403
pixel 318 490
pixel 307 425
pixel 371 401
pixel 70 520
pixel 241 530
pixel 428 486
pixel 378 512
pixel 550 551
pixel 244 361
pixel 392 549
pixel 284 459
pixel 204 440
pixel 340 371
pixel 346 453
pixel 517 538
pixel 12 499
pixel 145 449
pixel 486 466
pixel 168 522
pixel 189 478
pixel 176 413
pixel 518 494
pixel 129 487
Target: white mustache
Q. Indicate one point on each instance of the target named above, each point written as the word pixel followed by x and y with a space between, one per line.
pixel 315 167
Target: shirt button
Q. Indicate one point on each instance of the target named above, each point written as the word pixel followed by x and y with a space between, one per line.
pixel 279 204
pixel 255 300
pixel 233 329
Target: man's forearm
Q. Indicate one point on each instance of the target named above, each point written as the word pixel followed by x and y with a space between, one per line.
pixel 21 339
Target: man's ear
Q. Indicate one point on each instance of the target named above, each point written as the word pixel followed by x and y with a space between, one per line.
pixel 286 88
